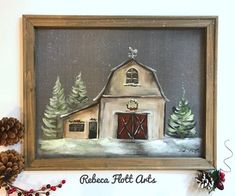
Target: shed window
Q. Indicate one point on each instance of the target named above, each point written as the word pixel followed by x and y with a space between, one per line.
pixel 132 76
pixel 77 127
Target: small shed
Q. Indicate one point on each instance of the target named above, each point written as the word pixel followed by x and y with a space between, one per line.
pixel 82 123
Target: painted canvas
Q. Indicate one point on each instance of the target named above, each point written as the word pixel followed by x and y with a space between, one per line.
pixel 120 93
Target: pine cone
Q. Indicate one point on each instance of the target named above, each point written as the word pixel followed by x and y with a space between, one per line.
pixel 11 131
pixel 205 181
pixel 11 164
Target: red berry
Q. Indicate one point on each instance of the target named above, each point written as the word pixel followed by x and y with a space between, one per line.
pixel 222 176
pixel 220 185
pixel 31 191
pixel 36 194
pixel 47 193
pixel 222 179
pixel 53 188
pixel 43 188
pixel 63 181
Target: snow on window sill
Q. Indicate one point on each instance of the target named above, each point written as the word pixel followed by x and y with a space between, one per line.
pixel 131 84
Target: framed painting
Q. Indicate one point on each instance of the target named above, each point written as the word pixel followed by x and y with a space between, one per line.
pixel 119 92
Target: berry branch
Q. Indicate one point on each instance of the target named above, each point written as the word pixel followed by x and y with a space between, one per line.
pixel 44 190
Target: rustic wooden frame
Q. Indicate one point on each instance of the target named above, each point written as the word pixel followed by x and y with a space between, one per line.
pixel 31 22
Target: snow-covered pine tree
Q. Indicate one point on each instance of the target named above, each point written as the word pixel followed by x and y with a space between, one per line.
pixel 57 106
pixel 181 123
pixel 78 93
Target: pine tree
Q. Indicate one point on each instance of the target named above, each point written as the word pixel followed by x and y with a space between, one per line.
pixel 77 96
pixel 57 106
pixel 181 123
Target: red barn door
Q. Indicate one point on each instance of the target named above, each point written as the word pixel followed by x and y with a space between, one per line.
pixel 132 126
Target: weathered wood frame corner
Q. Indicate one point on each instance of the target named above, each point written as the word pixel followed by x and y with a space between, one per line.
pixel 31 22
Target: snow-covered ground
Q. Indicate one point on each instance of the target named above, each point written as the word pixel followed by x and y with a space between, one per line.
pixel 189 147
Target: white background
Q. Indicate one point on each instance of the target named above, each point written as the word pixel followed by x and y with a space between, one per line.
pixel 170 183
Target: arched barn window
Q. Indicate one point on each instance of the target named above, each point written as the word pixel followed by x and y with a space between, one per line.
pixel 132 76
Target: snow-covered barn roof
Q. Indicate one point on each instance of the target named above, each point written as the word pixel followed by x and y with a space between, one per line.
pixel 131 61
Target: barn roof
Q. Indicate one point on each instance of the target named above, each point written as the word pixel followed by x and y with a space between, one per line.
pixel 89 105
pixel 132 60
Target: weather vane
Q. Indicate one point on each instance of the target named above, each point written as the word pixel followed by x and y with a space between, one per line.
pixel 132 52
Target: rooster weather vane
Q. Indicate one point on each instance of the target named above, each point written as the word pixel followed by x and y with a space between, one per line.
pixel 132 52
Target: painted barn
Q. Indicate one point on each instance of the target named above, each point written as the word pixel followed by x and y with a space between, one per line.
pixel 130 106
